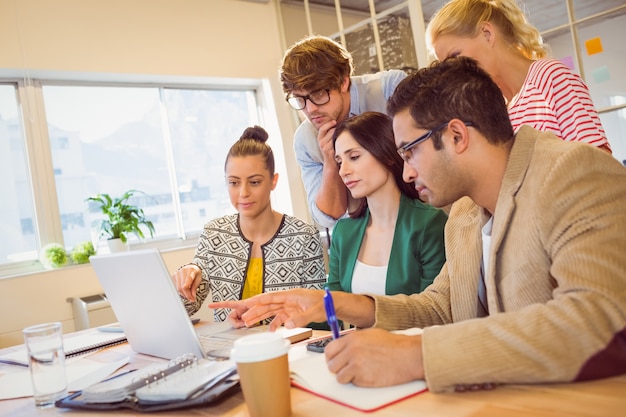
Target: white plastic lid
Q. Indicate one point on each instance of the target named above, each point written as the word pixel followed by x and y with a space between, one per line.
pixel 259 347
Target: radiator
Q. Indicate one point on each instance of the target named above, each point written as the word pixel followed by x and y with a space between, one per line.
pixel 91 311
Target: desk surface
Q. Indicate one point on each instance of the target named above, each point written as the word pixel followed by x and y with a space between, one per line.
pixel 606 397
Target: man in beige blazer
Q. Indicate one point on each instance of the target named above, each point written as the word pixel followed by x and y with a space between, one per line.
pixel 534 287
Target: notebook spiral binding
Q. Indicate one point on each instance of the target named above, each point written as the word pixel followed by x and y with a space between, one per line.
pixel 97 346
pixel 125 386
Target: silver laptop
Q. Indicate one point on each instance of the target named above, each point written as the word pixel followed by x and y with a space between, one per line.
pixel 150 311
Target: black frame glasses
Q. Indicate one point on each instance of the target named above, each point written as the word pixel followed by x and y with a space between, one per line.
pixel 405 150
pixel 316 97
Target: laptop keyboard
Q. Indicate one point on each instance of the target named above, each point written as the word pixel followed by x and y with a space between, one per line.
pixel 220 344
pixel 210 342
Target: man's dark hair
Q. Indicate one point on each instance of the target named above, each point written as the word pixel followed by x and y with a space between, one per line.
pixel 454 88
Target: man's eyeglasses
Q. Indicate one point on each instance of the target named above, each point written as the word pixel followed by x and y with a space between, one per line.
pixel 318 98
pixel 405 150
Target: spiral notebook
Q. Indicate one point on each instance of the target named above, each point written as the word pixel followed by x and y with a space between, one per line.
pixel 180 383
pixel 83 344
pixel 73 346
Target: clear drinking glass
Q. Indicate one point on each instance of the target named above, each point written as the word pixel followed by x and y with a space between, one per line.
pixel 46 360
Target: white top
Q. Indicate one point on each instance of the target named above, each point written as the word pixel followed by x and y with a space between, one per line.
pixel 486 243
pixel 482 290
pixel 368 279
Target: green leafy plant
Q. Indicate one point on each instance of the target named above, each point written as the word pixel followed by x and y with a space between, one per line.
pixel 121 218
pixel 82 252
pixel 53 255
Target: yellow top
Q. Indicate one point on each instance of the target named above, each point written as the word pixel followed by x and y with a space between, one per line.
pixel 254 278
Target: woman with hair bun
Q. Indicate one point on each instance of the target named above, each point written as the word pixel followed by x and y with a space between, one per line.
pixel 256 250
pixel 540 91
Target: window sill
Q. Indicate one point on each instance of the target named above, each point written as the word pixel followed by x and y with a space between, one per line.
pixel 22 268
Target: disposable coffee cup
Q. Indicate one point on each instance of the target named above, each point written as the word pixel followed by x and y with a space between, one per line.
pixel 46 360
pixel 263 369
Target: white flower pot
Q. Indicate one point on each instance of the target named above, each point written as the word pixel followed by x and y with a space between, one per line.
pixel 116 245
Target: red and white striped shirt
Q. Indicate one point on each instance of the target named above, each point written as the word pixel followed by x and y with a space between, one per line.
pixel 555 99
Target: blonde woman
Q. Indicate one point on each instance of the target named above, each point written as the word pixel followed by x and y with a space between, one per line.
pixel 540 92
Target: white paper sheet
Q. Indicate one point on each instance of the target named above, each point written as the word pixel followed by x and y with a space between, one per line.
pixel 81 372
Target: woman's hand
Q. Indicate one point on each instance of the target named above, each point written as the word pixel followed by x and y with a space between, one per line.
pixel 187 280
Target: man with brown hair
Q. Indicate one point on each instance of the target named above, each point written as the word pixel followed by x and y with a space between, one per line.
pixel 316 75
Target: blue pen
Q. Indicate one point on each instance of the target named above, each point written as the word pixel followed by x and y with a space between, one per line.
pixel 330 314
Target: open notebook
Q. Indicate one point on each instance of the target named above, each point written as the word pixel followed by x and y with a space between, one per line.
pixel 152 315
pixel 310 373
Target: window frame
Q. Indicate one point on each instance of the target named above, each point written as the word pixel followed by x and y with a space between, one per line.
pixel 31 111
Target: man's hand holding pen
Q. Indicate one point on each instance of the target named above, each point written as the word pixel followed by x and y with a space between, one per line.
pixel 363 357
pixel 375 358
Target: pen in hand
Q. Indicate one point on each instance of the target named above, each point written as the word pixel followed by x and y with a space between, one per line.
pixel 330 314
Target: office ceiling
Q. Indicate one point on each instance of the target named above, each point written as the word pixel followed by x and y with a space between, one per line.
pixel 542 14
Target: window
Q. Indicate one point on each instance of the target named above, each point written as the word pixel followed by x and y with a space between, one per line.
pixel 168 141
pixel 203 126
pixel 596 55
pixel 397 49
pixel 585 34
pixel 16 210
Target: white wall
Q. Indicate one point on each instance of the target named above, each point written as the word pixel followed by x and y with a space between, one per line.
pixel 198 38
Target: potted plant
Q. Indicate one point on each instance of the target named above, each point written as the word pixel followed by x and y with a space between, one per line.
pixel 121 219
pixel 53 255
pixel 82 252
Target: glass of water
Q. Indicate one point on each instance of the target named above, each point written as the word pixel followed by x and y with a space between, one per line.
pixel 46 360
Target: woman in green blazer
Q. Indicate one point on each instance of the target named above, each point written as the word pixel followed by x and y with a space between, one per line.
pixel 392 243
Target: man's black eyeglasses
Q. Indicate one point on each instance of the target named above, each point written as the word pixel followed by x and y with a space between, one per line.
pixel 405 150
pixel 318 98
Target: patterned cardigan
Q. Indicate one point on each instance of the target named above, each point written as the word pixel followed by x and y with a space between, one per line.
pixel 291 259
